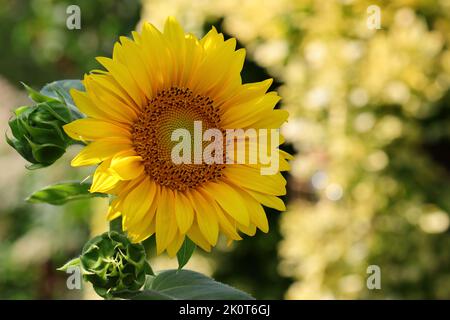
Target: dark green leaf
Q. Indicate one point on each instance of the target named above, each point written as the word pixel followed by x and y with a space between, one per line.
pixel 185 252
pixel 184 284
pixel 142 295
pixel 60 193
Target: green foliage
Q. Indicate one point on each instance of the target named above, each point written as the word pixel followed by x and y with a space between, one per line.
pixel 184 284
pixel 38 46
pixel 185 252
pixel 61 193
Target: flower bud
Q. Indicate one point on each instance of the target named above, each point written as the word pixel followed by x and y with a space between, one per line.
pixel 112 263
pixel 37 130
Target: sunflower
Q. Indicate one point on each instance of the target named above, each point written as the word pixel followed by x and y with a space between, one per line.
pixel 155 83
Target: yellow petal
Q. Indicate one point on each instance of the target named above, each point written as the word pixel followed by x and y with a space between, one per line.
pixel 107 82
pixel 157 57
pixel 93 129
pixel 184 212
pixel 176 43
pixel 122 75
pixel 251 178
pixel 85 105
pixel 100 150
pixel 175 245
pixel 108 102
pixel 166 225
pixel 139 236
pixel 274 121
pixel 249 230
pixel 207 220
pixel 252 112
pixel 197 237
pixel 284 164
pixel 268 200
pixel 138 202
pixel 131 57
pixel 226 223
pixel 230 200
pixel 103 180
pixel 220 68
pixel 247 92
pixel 114 209
pixel 123 187
pixel 286 155
pixel 147 225
pixel 192 59
pixel 257 215
pixel 127 165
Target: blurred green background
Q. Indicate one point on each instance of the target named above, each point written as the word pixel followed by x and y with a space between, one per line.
pixel 369 126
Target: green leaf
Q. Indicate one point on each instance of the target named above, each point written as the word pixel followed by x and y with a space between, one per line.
pixel 142 295
pixel 184 284
pixel 61 193
pixel 60 90
pixel 185 252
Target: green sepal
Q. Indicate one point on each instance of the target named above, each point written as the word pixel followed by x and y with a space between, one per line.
pixel 111 262
pixel 72 263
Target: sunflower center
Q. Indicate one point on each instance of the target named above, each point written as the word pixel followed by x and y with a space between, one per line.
pixel 172 109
